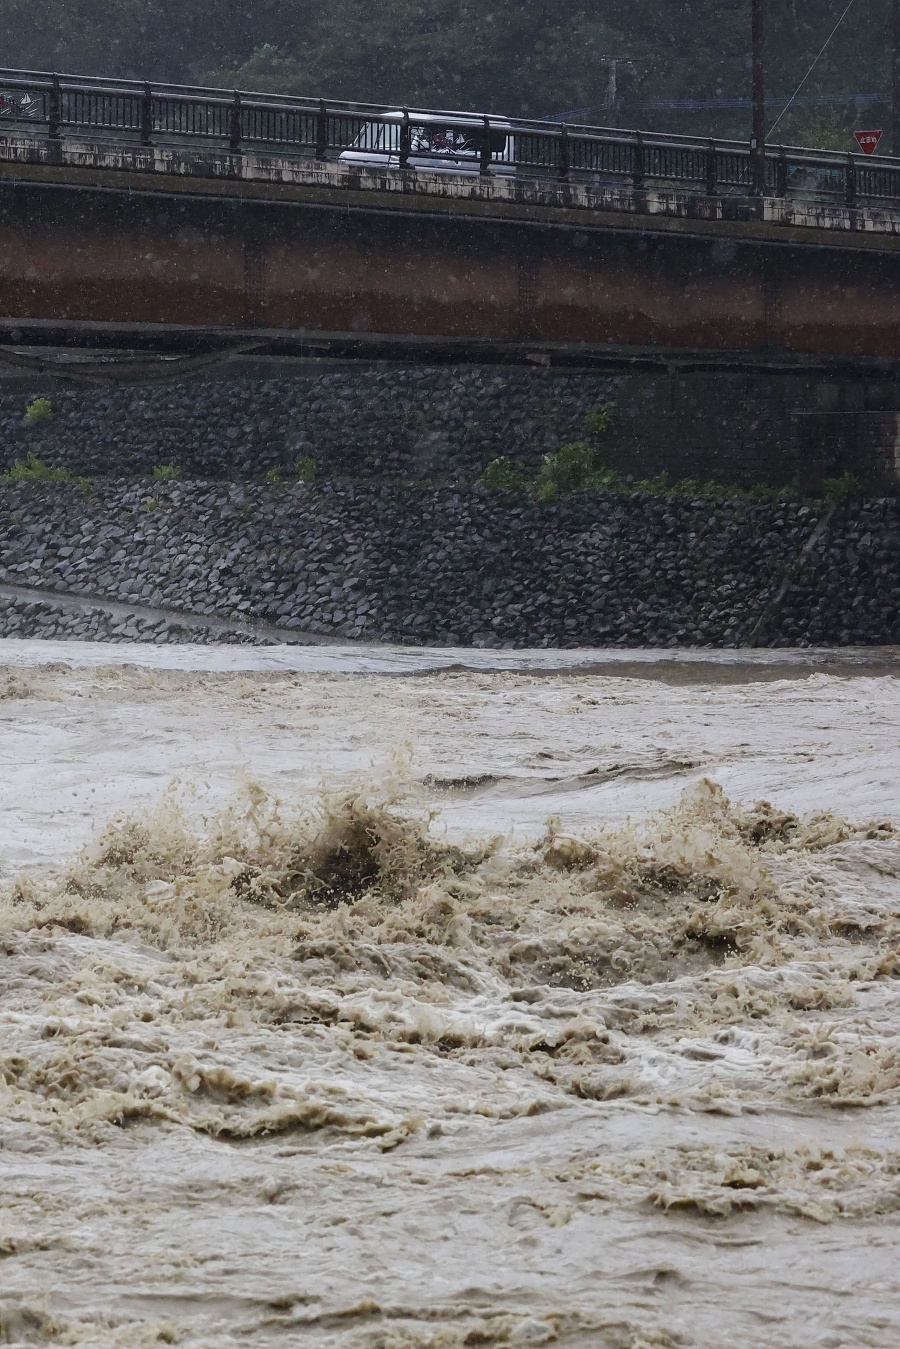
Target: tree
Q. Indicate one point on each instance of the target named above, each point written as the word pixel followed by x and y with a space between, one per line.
pixel 528 57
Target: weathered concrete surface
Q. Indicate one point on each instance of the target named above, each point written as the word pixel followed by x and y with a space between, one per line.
pixel 367 252
pixel 263 175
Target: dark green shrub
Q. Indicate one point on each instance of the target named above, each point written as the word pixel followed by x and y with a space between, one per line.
pixel 502 476
pixel 39 410
pixel 568 469
pixel 597 421
pixel 838 489
pixel 33 469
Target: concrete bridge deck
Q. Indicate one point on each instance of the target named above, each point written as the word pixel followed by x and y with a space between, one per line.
pixel 265 176
pixel 186 247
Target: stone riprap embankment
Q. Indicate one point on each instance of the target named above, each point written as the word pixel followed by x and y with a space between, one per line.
pixel 383 561
pixel 442 424
pixel 29 616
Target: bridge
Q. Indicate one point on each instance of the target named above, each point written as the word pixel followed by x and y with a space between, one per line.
pixel 177 219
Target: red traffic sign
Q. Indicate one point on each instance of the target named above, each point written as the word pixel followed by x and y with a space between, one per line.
pixel 868 141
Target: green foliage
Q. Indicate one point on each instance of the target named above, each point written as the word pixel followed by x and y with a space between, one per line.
pixel 838 489
pixel 167 472
pixel 39 410
pixel 819 128
pixel 573 468
pixel 568 469
pixel 513 57
pixel 703 489
pixel 596 423
pixel 93 36
pixel 502 476
pixel 33 469
pixel 272 475
pixel 516 56
pixel 306 469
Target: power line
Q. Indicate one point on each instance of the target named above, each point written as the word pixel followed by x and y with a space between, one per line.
pixel 712 104
pixel 812 67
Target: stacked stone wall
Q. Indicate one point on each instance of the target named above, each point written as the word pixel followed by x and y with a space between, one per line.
pixel 432 424
pixel 385 561
pixel 436 424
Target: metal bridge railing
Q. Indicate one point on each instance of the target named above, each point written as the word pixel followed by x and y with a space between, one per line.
pixel 128 111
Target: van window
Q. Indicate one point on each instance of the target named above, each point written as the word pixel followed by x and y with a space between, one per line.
pixel 383 136
pixel 430 140
pixel 19 105
pixel 433 140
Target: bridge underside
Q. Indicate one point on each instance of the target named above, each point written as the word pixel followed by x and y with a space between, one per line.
pixel 103 264
pixel 117 350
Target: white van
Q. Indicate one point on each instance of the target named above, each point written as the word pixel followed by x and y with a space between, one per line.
pixel 437 144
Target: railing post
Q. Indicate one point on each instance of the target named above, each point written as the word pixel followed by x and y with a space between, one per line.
pixel 781 173
pixel 234 124
pixel 894 179
pixel 484 159
pixel 712 170
pixel 147 116
pixel 54 116
pixel 322 131
pixel 639 165
pixel 405 140
pixel 850 182
pixel 563 152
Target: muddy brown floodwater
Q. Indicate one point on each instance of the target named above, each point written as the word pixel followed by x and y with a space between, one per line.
pixel 394 1000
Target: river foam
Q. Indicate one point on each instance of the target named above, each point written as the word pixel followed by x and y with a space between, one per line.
pixel 513 1007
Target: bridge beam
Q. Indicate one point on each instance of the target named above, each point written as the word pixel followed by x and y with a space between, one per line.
pixel 102 259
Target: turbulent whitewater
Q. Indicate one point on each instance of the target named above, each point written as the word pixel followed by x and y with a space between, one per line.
pixel 459 1007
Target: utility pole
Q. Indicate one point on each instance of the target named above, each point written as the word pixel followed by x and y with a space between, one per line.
pixel 895 79
pixel 613 65
pixel 758 95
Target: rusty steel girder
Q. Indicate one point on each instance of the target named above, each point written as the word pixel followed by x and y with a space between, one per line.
pixel 136 253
